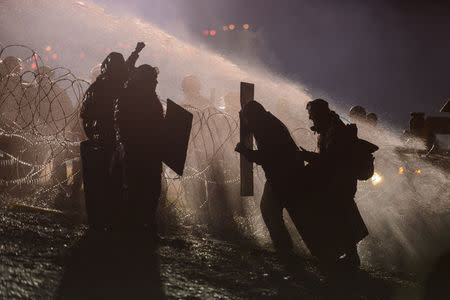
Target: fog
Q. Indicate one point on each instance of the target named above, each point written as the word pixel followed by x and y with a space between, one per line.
pixel 408 215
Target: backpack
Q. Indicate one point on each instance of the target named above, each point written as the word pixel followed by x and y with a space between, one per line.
pixel 362 157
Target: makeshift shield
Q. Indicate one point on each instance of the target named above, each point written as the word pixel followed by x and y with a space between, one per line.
pixel 178 125
pixel 246 138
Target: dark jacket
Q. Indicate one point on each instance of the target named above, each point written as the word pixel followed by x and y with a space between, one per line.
pixel 141 129
pixel 277 152
pixel 335 219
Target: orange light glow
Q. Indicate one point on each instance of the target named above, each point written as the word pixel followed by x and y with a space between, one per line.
pixel 246 26
pixel 55 56
pixel 212 32
pixel 82 55
pixel 418 171
pixel 205 32
pixel 48 48
pixel 33 65
pixel 224 28
pixel 231 27
pixel 401 170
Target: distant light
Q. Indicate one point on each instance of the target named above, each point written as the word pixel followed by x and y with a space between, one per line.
pixel 120 44
pixel 246 26
pixel 231 27
pixel 225 28
pixel 48 48
pixel 107 51
pixel 401 170
pixel 376 178
pixel 205 32
pixel 33 65
pixel 82 55
pixel 128 46
pixel 212 32
pixel 418 171
pixel 35 56
pixel 55 56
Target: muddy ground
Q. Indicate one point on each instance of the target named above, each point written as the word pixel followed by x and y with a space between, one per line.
pixel 45 255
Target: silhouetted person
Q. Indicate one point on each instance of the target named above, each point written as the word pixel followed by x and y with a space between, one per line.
pixel 140 124
pixel 334 186
pixel 97 112
pixel 277 154
pixel 357 114
pixel 372 119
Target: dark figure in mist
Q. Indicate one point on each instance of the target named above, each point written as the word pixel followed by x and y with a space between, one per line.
pixel 357 114
pixel 140 125
pixel 277 154
pixel 333 187
pixel 97 113
pixel 372 119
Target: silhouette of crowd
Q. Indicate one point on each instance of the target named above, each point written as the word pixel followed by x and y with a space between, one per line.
pixel 126 127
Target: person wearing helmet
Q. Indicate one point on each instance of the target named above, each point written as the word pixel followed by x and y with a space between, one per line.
pixel 357 114
pixel 372 119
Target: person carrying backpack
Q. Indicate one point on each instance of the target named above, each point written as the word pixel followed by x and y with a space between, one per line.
pixel 332 174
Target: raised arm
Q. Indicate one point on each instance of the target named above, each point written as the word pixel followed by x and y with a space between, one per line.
pixel 131 60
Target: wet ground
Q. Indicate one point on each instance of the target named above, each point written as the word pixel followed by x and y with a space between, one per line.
pixel 46 255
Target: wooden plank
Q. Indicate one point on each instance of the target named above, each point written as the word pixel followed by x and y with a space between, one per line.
pixel 246 138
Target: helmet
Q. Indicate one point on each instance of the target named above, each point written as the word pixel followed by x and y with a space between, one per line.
pixel 372 118
pixel 357 112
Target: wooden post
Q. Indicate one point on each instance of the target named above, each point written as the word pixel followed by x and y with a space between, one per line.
pixel 246 138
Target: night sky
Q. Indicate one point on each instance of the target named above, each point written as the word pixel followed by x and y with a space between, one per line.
pixel 392 57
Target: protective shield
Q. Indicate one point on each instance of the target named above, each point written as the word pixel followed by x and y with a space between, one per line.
pixel 178 125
